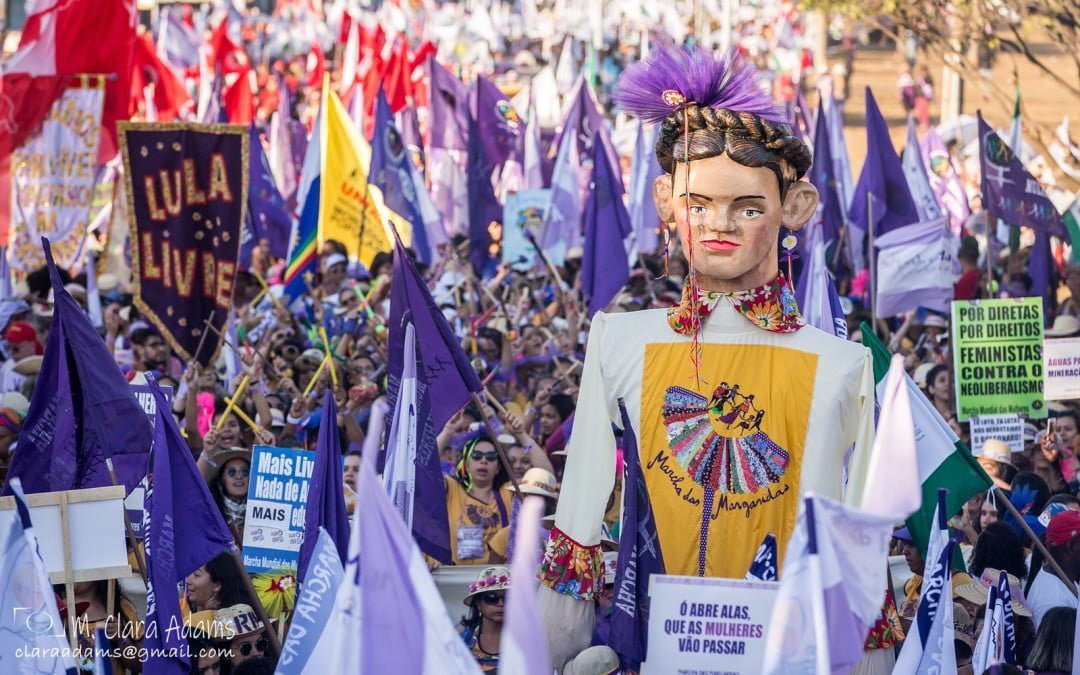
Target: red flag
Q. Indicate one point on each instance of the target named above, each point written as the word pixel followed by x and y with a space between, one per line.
pixel 316 66
pixel 398 82
pixel 232 62
pixel 169 92
pixel 75 37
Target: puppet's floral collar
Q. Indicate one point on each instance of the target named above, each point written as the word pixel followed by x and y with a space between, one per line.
pixel 769 307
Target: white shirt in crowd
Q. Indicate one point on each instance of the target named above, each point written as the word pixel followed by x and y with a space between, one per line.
pixel 1048 592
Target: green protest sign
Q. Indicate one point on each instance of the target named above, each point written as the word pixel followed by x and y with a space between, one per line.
pixel 997 356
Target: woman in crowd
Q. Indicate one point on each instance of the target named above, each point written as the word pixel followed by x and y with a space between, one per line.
pixel 476 506
pixel 998 547
pixel 481 627
pixel 1052 653
pixel 215 585
pixel 230 471
pixel 938 385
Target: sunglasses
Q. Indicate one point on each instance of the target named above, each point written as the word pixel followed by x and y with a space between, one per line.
pixel 233 472
pixel 492 456
pixel 492 598
pixel 261 645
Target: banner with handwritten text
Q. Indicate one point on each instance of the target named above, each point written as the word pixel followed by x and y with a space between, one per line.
pixel 52 180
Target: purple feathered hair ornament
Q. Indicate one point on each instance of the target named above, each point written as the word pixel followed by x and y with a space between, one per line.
pixel 673 77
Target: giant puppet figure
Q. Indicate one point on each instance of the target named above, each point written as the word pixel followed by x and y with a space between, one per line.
pixel 738 406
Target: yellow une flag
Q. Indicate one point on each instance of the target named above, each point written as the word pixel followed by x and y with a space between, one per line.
pixel 350 210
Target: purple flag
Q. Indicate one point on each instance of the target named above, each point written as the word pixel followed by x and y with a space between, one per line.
pixel 326 498
pixel 268 216
pixel 639 558
pixel 177 43
pixel 445 381
pixel 449 109
pixel 823 176
pixel 1010 192
pixel 82 410
pixel 561 229
pixel 501 126
pixel 391 172
pixel 604 266
pixel 1040 269
pixel 484 206
pixel 766 562
pixel 183 530
pixel 944 180
pixel 187 195
pixel 585 123
pixel 280 153
pixel 643 216
pixel 882 180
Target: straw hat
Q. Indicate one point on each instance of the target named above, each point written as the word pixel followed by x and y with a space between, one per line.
pixel 921 373
pixel 537 481
pixel 227 623
pixel 976 591
pixel 216 458
pixel 997 451
pixel 31 365
pixel 490 579
pixel 598 660
pixel 1065 325
pixel 963 630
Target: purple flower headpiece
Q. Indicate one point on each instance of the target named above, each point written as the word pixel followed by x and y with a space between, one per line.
pixel 673 77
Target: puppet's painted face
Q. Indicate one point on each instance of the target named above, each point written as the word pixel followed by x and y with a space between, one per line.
pixel 729 217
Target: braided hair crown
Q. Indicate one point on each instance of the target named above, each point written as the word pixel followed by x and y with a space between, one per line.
pixel 719 102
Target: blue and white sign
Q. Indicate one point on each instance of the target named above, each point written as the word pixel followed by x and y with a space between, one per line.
pixel 276 506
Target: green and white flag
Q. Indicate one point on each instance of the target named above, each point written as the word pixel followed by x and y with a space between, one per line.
pixel 944 460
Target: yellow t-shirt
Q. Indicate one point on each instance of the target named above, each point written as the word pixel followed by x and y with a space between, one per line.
pixel 473 523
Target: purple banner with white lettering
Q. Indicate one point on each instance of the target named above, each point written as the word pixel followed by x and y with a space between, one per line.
pixel 187 193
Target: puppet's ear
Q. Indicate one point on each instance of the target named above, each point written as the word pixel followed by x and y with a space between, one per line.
pixel 799 204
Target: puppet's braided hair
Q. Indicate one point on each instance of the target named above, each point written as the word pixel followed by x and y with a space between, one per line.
pixel 747 138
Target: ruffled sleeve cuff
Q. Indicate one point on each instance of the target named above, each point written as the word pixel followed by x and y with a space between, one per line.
pixel 570 568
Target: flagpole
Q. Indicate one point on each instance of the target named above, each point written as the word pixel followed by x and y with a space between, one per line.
pixel 140 559
pixel 1054 566
pixel 256 603
pixel 503 458
pixel 821 628
pixel 872 261
pixel 990 261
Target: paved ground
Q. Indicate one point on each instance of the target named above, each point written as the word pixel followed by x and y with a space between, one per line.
pixel 1043 100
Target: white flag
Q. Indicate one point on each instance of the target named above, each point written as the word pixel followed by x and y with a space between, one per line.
pixel 828 601
pixel 917 179
pixel 32 638
pixel 399 476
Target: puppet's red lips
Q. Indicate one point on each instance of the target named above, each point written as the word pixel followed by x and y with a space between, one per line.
pixel 719 245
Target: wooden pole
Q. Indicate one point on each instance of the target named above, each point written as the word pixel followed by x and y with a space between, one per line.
pixel 140 559
pixel 202 339
pixel 872 262
pixel 69 574
pixel 498 445
pixel 237 396
pixel 1036 542
pixel 256 603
